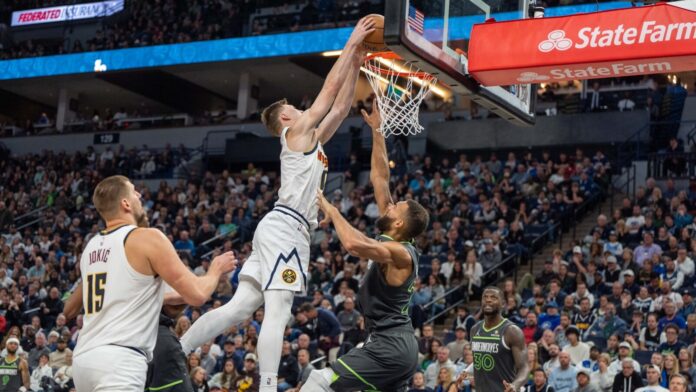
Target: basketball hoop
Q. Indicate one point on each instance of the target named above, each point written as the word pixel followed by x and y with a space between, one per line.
pixel 398 106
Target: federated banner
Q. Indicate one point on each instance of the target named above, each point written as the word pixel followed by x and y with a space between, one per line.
pixel 659 38
pixel 66 13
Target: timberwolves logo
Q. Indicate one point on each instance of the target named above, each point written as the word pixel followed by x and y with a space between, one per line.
pixel 289 276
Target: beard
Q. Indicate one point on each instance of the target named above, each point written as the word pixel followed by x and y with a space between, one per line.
pixel 11 351
pixel 384 223
pixel 141 219
pixel 491 312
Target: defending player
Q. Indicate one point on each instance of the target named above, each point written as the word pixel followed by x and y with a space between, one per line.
pixel 500 355
pixel 277 266
pixel 389 356
pixel 122 269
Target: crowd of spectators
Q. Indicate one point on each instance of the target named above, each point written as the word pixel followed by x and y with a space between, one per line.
pixel 614 313
pixel 480 211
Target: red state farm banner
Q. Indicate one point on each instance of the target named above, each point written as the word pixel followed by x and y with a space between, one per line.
pixel 644 40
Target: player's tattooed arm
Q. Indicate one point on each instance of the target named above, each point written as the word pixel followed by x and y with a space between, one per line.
pixel 360 245
pixel 515 340
pixel 73 306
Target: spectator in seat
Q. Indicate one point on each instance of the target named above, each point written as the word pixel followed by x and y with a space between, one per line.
pixel 531 330
pixel 39 349
pixel 327 329
pixel 433 370
pixel 601 376
pixel 490 256
pixel 58 358
pixel 607 324
pixel 40 371
pixel 539 382
pixel 456 347
pixel 672 345
pixel 347 277
pixel 584 318
pixel 225 378
pixel 348 317
pixel 577 350
pixel 673 275
pixel 623 355
pixel 305 368
pixel 583 380
pixel 648 249
pixel 288 371
pixel 628 379
pixel 249 378
pixel 613 246
pixel 563 378
pixel 418 383
pixel 671 317
pixel 63 375
pixel 199 379
pixel 546 275
pixel 185 244
pixel 678 383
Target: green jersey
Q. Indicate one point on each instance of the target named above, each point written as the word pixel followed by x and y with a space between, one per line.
pixel 382 305
pixel 10 377
pixel 493 360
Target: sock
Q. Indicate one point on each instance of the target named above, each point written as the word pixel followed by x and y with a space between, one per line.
pixel 319 381
pixel 243 304
pixel 278 304
pixel 269 382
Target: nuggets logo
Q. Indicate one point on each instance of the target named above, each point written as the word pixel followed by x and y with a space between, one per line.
pixel 323 159
pixel 289 276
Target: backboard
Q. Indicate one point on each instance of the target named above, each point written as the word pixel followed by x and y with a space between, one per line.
pixel 435 35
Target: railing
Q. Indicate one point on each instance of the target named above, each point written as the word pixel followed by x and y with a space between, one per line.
pixel 534 247
pixel 629 184
pixel 672 165
pixel 30 213
pixel 217 237
pixel 493 272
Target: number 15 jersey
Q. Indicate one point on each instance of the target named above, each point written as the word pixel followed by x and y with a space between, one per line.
pixel 121 305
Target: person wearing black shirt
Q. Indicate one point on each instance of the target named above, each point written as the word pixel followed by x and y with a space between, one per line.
pixel 288 371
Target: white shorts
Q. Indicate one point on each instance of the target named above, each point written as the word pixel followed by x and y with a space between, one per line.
pixel 280 252
pixel 110 368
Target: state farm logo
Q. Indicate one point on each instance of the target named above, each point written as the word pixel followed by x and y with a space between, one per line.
pixel 556 40
pixel 529 77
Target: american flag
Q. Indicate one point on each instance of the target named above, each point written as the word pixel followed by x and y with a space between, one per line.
pixel 416 20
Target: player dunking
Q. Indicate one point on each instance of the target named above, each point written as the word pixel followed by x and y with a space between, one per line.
pixel 123 268
pixel 500 355
pixel 277 266
pixel 389 356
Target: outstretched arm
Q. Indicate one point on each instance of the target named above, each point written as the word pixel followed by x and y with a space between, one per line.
pixel 515 340
pixel 344 101
pixel 379 172
pixel 358 244
pixel 307 123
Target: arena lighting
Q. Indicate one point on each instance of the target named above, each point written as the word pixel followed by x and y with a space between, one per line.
pixel 332 53
pixel 439 91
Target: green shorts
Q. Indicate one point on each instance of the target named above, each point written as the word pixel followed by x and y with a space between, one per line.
pixel 386 362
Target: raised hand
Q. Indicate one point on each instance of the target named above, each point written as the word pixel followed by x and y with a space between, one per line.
pixel 364 28
pixel 227 262
pixel 374 120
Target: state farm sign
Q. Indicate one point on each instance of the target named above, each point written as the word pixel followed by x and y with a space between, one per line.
pixel 635 41
pixel 66 13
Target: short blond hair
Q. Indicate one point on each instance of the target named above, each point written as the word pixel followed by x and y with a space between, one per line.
pixel 270 117
pixel 108 195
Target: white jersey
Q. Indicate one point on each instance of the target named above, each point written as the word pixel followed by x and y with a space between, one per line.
pixel 301 175
pixel 122 306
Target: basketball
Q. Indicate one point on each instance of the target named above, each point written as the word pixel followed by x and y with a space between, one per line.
pixel 375 41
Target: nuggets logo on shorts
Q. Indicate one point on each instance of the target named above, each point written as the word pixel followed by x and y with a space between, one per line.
pixel 289 276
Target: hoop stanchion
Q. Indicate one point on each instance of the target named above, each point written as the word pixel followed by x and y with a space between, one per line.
pixel 399 105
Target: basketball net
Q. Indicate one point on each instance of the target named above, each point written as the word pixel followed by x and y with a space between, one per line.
pixel 399 105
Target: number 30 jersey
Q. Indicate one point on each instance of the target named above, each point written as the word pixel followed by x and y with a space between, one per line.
pixel 121 305
pixel 493 361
